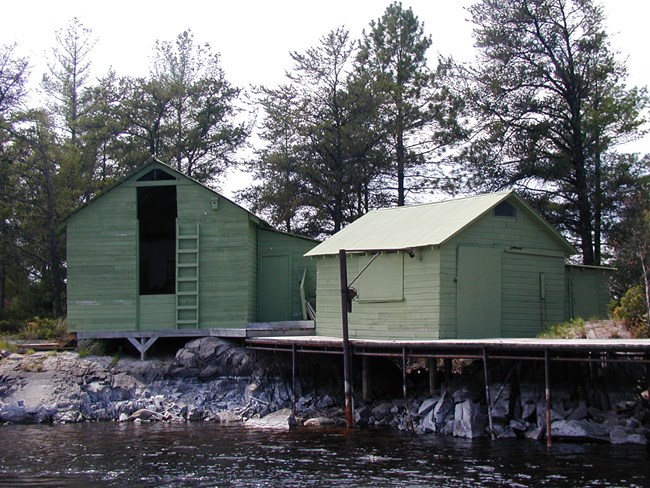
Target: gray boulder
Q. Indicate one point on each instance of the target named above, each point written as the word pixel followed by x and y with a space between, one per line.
pixel 470 420
pixel 12 413
pixel 282 419
pixel 579 429
pixel 443 411
pixel 318 422
pixel 427 405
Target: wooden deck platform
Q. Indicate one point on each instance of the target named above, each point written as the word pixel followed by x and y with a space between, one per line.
pixel 557 349
pixel 142 340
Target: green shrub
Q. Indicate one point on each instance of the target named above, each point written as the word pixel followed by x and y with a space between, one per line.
pixel 571 329
pixel 633 311
pixel 44 329
pixel 93 348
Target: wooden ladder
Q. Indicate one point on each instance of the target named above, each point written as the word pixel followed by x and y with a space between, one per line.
pixel 187 276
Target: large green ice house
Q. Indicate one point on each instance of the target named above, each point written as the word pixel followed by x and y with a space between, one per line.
pixel 160 255
pixel 480 267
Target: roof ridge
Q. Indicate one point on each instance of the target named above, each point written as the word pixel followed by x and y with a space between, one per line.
pixel 446 200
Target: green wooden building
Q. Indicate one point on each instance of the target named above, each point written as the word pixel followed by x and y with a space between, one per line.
pixel 481 267
pixel 159 254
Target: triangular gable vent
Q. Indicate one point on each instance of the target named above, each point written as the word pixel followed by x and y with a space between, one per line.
pixel 156 175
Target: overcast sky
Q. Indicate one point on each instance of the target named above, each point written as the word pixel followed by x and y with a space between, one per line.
pixel 254 37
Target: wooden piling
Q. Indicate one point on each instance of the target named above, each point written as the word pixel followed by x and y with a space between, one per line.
pixel 433 370
pixel 365 377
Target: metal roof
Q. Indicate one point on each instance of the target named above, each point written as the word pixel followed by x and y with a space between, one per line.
pixel 420 225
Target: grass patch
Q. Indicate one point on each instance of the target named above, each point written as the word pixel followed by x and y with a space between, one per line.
pixel 572 329
pixel 7 346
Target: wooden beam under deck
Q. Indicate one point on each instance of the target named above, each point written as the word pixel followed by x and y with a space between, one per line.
pixel 592 350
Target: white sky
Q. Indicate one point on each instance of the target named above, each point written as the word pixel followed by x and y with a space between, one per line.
pixel 254 37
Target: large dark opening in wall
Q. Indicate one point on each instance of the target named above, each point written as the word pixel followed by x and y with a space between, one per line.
pixel 157 218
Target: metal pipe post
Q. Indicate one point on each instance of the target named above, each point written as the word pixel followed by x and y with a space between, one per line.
pixel 487 392
pixel 547 381
pixel 293 379
pixel 347 380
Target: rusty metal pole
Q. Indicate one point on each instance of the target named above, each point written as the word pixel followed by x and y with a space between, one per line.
pixel 409 420
pixel 345 301
pixel 488 400
pixel 547 381
pixel 293 379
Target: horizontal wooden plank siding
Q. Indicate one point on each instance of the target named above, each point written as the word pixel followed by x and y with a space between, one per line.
pixel 273 243
pixel 101 259
pixel 224 242
pixel 529 250
pixel 588 293
pixel 533 293
pixel 156 312
pixel 416 316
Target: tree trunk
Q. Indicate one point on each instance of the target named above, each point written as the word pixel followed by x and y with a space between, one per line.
pixel 399 153
pixel 54 254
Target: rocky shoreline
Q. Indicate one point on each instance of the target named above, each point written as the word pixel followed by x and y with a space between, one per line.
pixel 214 380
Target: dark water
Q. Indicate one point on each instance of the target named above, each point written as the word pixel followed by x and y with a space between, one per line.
pixel 206 454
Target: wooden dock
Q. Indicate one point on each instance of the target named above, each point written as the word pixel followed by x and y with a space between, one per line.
pixel 533 349
pixel 631 351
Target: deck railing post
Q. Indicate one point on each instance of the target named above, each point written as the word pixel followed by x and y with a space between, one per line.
pixel 345 308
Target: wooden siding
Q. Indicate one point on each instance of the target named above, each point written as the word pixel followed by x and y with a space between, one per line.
pixel 224 259
pixel 156 312
pixel 588 293
pixel 272 243
pixel 103 292
pixel 529 249
pixel 429 308
pixel 415 316
pixel 101 259
pixel 526 309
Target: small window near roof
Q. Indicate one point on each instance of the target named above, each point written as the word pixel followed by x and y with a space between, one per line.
pixel 156 175
pixel 505 209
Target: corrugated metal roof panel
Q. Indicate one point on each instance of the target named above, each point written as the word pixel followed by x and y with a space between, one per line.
pixel 413 226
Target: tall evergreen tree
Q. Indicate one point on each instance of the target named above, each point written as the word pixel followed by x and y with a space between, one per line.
pixel 68 75
pixel 549 101
pixel 319 156
pixel 199 131
pixel 414 112
pixel 13 92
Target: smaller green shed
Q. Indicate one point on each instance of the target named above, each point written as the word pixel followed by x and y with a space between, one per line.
pixel 160 254
pixel 480 267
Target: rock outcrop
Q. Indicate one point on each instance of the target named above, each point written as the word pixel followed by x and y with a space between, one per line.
pixel 215 380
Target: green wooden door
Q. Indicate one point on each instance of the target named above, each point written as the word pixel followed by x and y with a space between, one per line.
pixel 275 289
pixel 478 299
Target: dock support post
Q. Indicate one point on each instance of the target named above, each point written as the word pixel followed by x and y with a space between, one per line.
pixel 345 309
pixel 404 389
pixel 448 366
pixel 293 379
pixel 142 344
pixel 409 419
pixel 487 392
pixel 547 391
pixel 365 377
pixel 433 370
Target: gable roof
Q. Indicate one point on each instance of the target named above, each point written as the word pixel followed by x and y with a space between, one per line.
pixel 154 163
pixel 432 224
